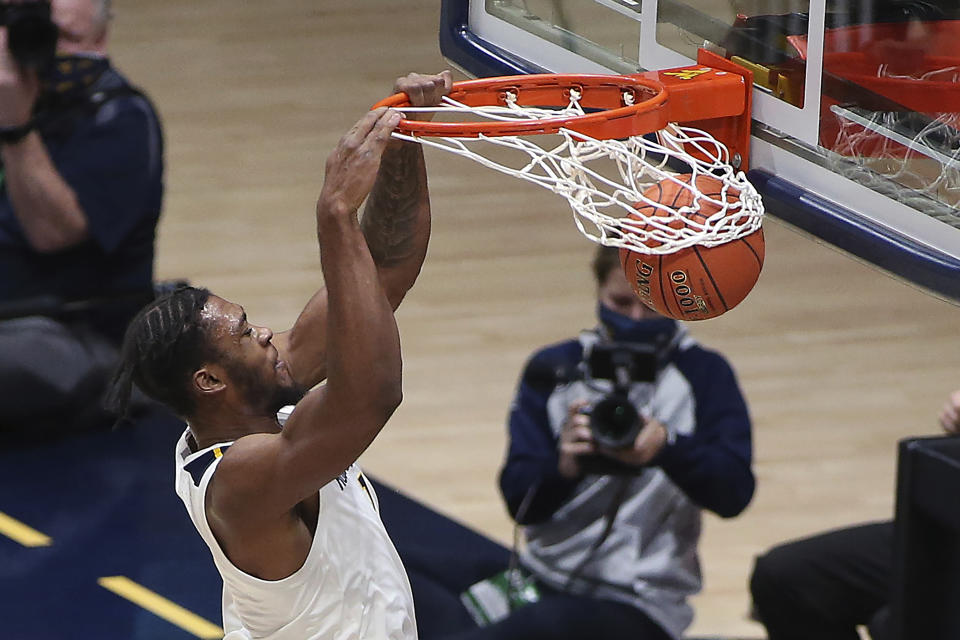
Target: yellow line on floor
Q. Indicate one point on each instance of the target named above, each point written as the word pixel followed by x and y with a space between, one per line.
pixel 160 606
pixel 19 532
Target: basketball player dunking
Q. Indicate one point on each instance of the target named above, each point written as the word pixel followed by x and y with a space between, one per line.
pixel 290 521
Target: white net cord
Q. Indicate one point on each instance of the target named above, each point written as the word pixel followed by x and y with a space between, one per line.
pixel 915 160
pixel 604 180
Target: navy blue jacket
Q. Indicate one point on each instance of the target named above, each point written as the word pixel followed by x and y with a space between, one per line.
pixel 111 155
pixel 712 465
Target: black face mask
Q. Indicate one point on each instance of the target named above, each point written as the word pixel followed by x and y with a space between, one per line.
pixel 655 331
pixel 70 76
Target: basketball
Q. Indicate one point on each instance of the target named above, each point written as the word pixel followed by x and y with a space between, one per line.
pixel 696 283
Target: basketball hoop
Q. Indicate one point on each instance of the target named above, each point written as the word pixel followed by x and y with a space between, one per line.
pixel 606 107
pixel 587 138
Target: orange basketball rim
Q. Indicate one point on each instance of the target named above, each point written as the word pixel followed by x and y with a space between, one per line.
pixel 714 95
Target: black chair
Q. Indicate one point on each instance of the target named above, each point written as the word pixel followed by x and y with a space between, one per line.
pixel 926 564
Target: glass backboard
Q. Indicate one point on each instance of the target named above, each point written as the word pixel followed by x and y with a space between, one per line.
pixel 856 105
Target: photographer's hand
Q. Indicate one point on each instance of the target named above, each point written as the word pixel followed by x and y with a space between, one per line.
pixel 18 88
pixel 950 416
pixel 46 206
pixel 650 441
pixel 575 441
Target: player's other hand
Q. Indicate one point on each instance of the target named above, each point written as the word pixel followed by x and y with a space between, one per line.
pixel 353 164
pixel 424 90
pixel 950 416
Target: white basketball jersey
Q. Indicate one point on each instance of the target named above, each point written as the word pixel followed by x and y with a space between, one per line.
pixel 351 586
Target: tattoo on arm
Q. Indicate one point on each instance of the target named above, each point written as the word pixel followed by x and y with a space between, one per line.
pixel 398 198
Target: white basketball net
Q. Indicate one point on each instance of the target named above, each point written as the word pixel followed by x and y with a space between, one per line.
pixel 604 180
pixel 919 166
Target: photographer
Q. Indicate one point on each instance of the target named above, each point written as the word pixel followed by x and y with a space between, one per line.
pixel 81 192
pixel 612 532
pixel 612 528
pixel 826 585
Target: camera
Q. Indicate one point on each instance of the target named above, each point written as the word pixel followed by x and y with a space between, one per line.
pixel 614 420
pixel 31 33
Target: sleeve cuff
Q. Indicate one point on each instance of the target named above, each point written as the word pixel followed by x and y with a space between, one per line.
pixel 12 135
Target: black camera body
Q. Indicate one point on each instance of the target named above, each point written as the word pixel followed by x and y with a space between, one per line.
pixel 31 33
pixel 614 420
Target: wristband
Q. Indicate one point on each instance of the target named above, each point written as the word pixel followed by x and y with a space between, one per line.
pixel 12 135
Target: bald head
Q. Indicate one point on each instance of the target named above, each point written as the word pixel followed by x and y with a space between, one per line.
pixel 83 25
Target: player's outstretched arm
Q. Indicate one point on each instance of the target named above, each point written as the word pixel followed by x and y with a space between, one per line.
pixel 396 225
pixel 396 218
pixel 264 476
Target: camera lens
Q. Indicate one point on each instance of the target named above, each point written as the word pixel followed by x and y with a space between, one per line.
pixel 614 422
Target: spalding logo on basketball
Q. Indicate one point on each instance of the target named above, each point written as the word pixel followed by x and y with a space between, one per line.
pixel 698 282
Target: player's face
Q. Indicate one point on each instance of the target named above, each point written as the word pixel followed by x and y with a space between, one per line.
pixel 252 362
pixel 615 294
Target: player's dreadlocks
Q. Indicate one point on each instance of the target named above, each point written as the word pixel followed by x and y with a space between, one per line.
pixel 164 344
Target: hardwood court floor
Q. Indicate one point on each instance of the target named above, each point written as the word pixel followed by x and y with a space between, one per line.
pixel 837 360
